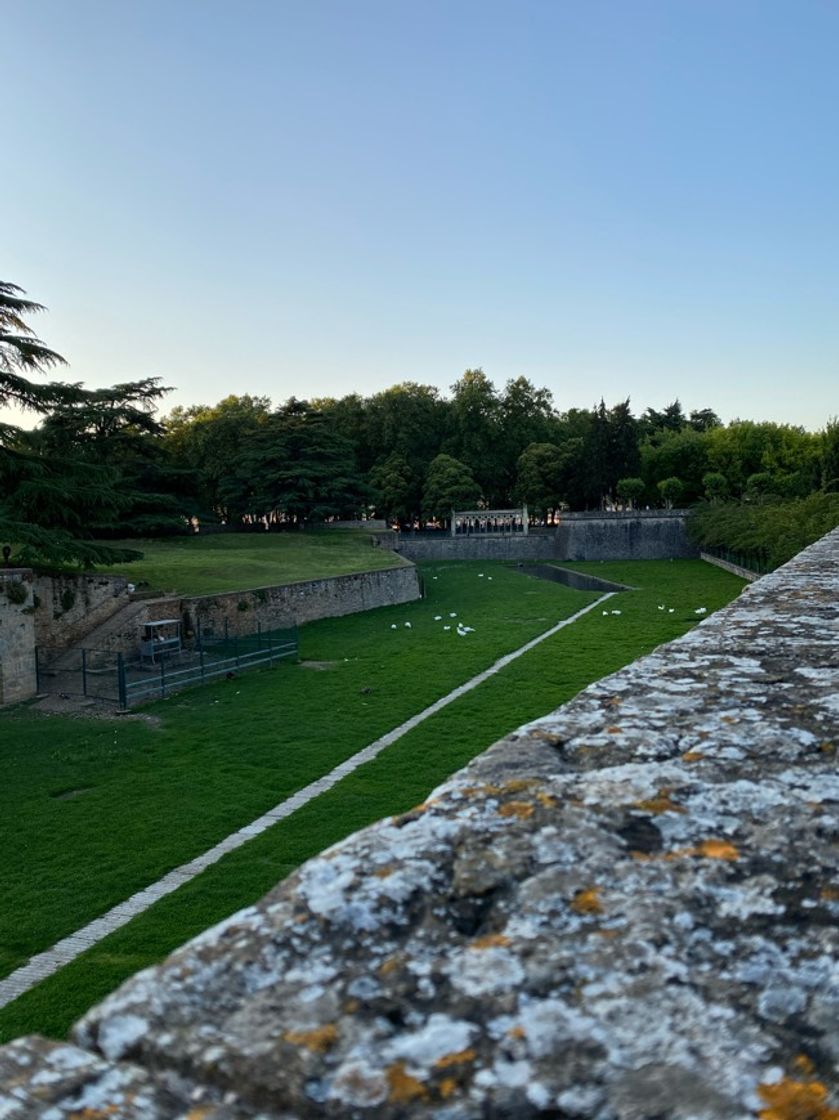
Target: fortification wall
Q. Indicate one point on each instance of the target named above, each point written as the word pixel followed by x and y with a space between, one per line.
pixel 17 636
pixel 295 603
pixel 541 546
pixel 638 535
pixel 624 910
pixel 646 535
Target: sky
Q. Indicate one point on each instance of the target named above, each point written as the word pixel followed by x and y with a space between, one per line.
pixel 613 198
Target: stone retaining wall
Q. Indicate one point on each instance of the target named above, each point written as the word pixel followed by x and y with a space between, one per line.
pixel 627 909
pixel 17 635
pixel 71 606
pixel 293 604
pixel 727 566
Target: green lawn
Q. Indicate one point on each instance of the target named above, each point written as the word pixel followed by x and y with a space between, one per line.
pixel 153 797
pixel 237 561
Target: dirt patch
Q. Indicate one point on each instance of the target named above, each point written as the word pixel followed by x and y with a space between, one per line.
pixel 79 707
pixel 319 666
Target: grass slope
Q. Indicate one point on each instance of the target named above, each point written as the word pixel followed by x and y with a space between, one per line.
pixel 236 561
pixel 545 677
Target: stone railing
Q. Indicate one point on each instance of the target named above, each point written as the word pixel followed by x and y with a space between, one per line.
pixel 627 909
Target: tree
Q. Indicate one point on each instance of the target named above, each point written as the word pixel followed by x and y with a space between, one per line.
pixel 526 417
pixel 117 428
pixel 683 454
pixel 671 419
pixel 475 432
pixel 538 479
pixel 296 468
pixel 629 490
pixel 212 441
pixel 830 455
pixel 49 503
pixel 21 352
pixel 703 419
pixel 394 486
pixel 716 486
pixel 449 485
pixel 671 490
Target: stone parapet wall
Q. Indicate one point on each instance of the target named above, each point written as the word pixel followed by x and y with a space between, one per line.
pixel 627 909
pixel 18 677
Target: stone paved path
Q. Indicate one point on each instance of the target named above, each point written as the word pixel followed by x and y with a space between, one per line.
pixel 44 964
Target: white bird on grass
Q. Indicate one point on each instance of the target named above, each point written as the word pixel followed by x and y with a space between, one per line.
pixel 438 617
pixel 661 607
pixel 393 625
pixel 701 610
pixel 452 614
pixel 670 610
pixel 447 627
pixel 616 612
pixel 408 625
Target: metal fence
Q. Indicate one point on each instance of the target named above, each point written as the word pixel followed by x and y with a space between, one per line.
pixel 124 679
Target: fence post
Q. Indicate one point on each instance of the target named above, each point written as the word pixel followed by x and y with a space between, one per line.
pixel 123 692
pixel 162 677
pixel 201 659
pixel 37 671
pixel 259 635
pixel 84 672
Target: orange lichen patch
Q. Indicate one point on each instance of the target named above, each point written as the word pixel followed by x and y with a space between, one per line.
pixel 615 730
pixel 827 747
pixel 516 785
pixel 829 894
pixel 484 790
pixel 708 849
pixel 704 734
pixel 661 803
pixel 728 719
pixel 613 702
pixel 197 1114
pixel 411 815
pixel 384 872
pixel 455 1059
pixel 641 857
pixel 517 1031
pixel 692 756
pixel 490 941
pixel 587 901
pixel 351 1006
pixel 318 1040
pixel 94 1113
pixel 388 966
pixel 795 1100
pixel 717 849
pixel 404 1088
pixel 446 1087
pixel 520 809
pixel 546 800
pixel 608 933
pixel 803 1064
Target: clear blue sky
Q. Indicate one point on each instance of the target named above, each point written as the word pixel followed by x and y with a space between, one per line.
pixel 611 197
